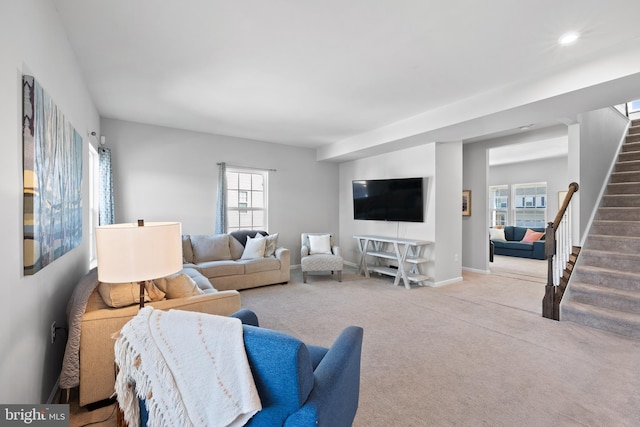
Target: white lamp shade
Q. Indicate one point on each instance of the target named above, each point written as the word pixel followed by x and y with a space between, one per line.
pixel 132 253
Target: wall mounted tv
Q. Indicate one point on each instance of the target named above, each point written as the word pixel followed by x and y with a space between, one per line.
pixel 389 199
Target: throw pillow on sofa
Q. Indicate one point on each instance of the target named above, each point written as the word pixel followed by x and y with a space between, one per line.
pixel 187 251
pixel 497 234
pixel 118 295
pixel 271 245
pixel 178 286
pixel 254 248
pixel 531 236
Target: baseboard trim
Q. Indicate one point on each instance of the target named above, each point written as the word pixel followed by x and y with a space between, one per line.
pixel 447 282
pixel 476 270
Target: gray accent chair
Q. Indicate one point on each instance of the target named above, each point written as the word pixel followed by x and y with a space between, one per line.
pixel 316 262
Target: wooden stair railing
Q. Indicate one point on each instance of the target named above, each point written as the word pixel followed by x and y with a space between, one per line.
pixel 553 292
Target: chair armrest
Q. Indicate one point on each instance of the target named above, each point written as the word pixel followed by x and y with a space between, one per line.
pixel 334 399
pixel 304 251
pixel 539 249
pixel 336 251
pixel 246 316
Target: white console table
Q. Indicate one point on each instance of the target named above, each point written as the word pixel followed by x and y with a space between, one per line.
pixel 408 253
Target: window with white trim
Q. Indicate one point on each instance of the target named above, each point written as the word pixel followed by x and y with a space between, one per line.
pixel 499 205
pixel 530 204
pixel 247 199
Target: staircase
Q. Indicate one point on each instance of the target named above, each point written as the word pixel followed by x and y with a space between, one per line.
pixel 604 290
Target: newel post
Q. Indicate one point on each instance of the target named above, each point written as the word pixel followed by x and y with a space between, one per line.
pixel 548 303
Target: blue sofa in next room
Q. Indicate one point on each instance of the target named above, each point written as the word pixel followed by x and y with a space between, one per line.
pixel 513 246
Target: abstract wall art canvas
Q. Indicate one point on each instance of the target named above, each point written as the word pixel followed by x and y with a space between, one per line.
pixel 52 163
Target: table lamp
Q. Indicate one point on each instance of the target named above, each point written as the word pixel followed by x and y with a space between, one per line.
pixel 137 252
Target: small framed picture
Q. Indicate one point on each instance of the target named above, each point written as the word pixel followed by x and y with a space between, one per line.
pixel 466 203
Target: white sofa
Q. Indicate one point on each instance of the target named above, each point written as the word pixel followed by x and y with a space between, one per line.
pixel 219 258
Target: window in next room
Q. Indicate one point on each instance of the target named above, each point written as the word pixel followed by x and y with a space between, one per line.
pixel 522 205
pixel 247 199
pixel 499 205
pixel 530 204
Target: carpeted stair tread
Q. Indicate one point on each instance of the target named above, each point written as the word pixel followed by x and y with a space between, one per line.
pixel 616 228
pixel 618 322
pixel 631 165
pixel 616 259
pixel 603 296
pixel 623 188
pixel 618 213
pixel 621 200
pixel 634 129
pixel 629 157
pixel 607 277
pixel 627 176
pixel 613 243
pixel 630 140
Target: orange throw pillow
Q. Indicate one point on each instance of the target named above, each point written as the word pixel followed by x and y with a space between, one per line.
pixel 531 236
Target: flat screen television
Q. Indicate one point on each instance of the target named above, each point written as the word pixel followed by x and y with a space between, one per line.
pixel 400 199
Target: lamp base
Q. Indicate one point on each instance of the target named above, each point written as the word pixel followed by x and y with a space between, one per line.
pixel 141 293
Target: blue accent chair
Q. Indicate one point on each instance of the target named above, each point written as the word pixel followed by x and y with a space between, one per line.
pixel 301 385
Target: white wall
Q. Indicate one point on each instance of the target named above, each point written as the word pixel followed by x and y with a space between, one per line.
pixel 409 163
pixel 448 258
pixel 412 162
pixel 164 174
pixel 32 41
pixel 600 134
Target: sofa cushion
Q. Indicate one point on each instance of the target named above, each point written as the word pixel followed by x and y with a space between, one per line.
pixel 211 247
pixel 508 233
pixel 254 248
pixel 221 268
pixel 202 282
pixel 187 250
pixel 178 286
pixel 124 294
pixel 235 247
pixel 260 265
pixel 519 246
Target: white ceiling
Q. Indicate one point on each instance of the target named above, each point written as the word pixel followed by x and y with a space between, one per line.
pixel 353 77
pixel 528 151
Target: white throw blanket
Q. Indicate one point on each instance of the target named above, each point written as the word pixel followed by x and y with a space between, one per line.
pixel 190 367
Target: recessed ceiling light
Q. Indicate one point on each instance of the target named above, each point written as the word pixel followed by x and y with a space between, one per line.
pixel 568 38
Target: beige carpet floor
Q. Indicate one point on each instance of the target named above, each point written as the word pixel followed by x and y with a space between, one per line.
pixel 474 353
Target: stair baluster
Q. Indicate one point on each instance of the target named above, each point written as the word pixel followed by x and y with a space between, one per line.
pixel 555 241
